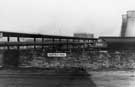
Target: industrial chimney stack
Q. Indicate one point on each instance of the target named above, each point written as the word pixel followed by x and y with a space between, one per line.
pixel 124 25
pixel 128 24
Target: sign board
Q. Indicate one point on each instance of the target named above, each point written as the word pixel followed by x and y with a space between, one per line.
pixel 99 44
pixel 56 54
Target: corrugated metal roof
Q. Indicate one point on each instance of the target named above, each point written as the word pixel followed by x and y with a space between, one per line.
pixel 16 34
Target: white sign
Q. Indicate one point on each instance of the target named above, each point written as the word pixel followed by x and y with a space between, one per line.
pixel 99 44
pixel 56 54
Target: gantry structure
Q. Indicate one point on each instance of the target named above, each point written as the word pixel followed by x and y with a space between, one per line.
pixel 20 41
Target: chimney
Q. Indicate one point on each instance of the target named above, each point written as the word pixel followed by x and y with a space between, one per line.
pixel 129 27
pixel 124 25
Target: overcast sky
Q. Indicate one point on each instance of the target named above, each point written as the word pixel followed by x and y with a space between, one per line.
pixel 64 17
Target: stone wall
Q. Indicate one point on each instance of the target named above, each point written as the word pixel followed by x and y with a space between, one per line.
pixel 89 59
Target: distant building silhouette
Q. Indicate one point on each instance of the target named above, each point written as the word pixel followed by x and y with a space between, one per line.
pixel 84 35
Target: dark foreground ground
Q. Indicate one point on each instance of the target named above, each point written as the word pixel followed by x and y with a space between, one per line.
pixel 113 78
pixel 45 78
pixel 74 78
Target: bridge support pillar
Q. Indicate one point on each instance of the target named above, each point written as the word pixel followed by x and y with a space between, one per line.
pixel 8 40
pixel 34 43
pixel 18 40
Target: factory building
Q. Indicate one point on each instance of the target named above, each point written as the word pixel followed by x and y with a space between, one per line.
pixel 121 49
pixel 126 40
pixel 84 35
